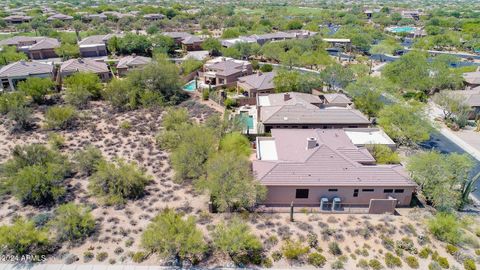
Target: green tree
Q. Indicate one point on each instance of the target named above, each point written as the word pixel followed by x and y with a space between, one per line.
pixel 9 54
pixel 72 222
pixel 134 43
pixel 174 117
pixel 231 52
pixel 442 178
pixel 77 26
pixel 212 45
pixel 121 94
pixel 411 71
pixel 23 238
pixel 60 117
pixel 236 240
pixel 454 106
pixel 67 51
pixel 384 154
pixel 116 182
pixel 162 44
pixel 236 143
pixel 88 81
pixel 446 227
pixel 286 81
pixel 336 76
pixel 406 124
pixel 230 182
pixel 77 95
pixel 367 94
pixel 170 235
pixel 190 65
pixel 386 46
pixel 37 88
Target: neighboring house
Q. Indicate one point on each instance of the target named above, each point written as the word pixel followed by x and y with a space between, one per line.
pixel 130 62
pixel 223 71
pixel 269 37
pixel 94 46
pixel 316 167
pixel 362 137
pixel 472 79
pixel 307 111
pixel 91 17
pixel 17 19
pixel 34 47
pixel 259 83
pixel 411 14
pixel 117 15
pixel 187 41
pixel 72 66
pixel 13 73
pixel 153 17
pixel 61 17
pixel 335 100
pixel 345 43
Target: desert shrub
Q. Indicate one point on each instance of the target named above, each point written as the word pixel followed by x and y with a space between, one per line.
pixel 412 262
pixel 230 103
pixel 236 240
pixel 337 265
pixel 363 264
pixel 88 81
pixel 434 266
pixel 312 239
pixel 205 94
pixel 36 87
pixel 442 261
pixel 88 159
pixel 375 264
pixel 445 227
pixel 42 219
pixel 175 117
pixel 387 242
pixel 316 259
pixel 73 222
pixel 267 263
pixel 60 117
pixel 56 140
pixel 22 237
pixel 424 252
pixel 101 256
pixel 469 264
pixel 236 143
pixel 392 261
pixel 88 256
pixel 138 257
pixel 117 182
pixel 406 244
pixel 477 252
pixel 170 235
pixel 77 95
pixel 277 256
pixel 15 106
pixel 35 174
pixel 451 249
pixel 294 250
pixel 334 248
pixel 384 154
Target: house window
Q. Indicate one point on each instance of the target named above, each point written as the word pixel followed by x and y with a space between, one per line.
pixel 304 127
pixel 301 194
pixel 388 191
pixel 399 190
pixel 332 189
pixel 355 193
pixel 367 190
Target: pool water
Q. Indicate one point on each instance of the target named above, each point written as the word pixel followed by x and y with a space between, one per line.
pixel 403 29
pixel 190 86
pixel 248 119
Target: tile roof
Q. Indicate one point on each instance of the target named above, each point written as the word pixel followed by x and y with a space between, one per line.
pixel 133 61
pixel 47 43
pixel 13 41
pixel 23 69
pixel 59 16
pixel 191 40
pixel 96 39
pixel 228 67
pixel 334 161
pixel 83 65
pixel 472 77
pixel 259 81
pixel 337 98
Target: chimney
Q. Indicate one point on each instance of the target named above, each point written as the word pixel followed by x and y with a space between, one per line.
pixel 311 143
pixel 286 96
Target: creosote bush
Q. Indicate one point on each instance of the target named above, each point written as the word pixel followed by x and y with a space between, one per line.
pixel 60 117
pixel 87 160
pixel 116 182
pixel 392 261
pixel 22 237
pixel 412 262
pixel 73 222
pixel 294 250
pixel 316 259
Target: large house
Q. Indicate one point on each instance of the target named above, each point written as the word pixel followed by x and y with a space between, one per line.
pixel 269 37
pixel 15 72
pixel 260 83
pixel 307 111
pixel 153 17
pixel 130 62
pixel 472 79
pixel 187 41
pixel 222 71
pixel 60 17
pixel 17 19
pixel 34 47
pixel 94 46
pixel 72 66
pixel 323 168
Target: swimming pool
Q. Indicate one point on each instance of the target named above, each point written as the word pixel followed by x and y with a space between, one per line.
pixel 248 119
pixel 402 29
pixel 190 86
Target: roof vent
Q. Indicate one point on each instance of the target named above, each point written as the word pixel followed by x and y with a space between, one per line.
pixel 286 96
pixel 311 143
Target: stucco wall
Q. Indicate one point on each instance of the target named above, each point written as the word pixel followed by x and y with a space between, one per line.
pixel 284 195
